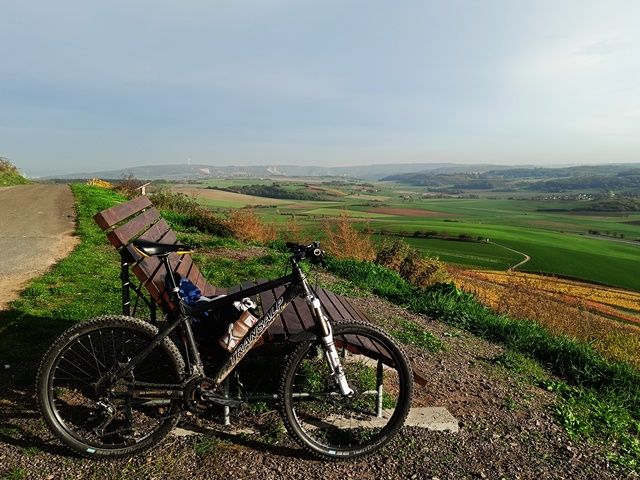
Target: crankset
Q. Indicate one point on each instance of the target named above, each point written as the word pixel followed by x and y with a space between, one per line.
pixel 200 393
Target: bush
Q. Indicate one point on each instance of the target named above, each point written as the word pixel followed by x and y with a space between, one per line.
pixel 9 174
pixel 411 265
pixel 128 186
pixel 423 271
pixel 245 225
pixel 342 240
pixel 165 199
pixel 392 255
pixel 184 210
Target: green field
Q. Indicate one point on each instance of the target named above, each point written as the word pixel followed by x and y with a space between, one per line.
pixel 557 240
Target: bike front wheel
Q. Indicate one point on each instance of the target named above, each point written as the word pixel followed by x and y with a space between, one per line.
pixel 99 420
pixel 330 425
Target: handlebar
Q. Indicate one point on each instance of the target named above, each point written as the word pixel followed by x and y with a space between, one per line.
pixel 312 252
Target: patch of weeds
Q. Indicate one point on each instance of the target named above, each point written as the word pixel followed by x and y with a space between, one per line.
pixel 257 408
pixel 15 474
pixel 510 404
pixel 413 334
pixel 601 418
pixel 31 451
pixel 209 444
pixel 8 431
pixel 525 369
pixel 273 432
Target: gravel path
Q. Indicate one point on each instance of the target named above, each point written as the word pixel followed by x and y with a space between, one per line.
pixel 507 430
pixel 36 230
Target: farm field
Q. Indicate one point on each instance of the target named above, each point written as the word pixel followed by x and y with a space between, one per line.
pixel 558 241
pixel 608 318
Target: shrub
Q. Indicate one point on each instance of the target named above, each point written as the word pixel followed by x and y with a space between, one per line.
pixel 165 199
pixel 423 271
pixel 343 240
pixel 293 231
pixel 411 265
pixel 393 254
pixel 184 210
pixel 245 225
pixel 128 185
pixel 9 174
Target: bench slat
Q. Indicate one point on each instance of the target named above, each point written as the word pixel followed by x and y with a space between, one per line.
pixel 342 312
pixel 357 313
pixel 291 318
pixel 278 328
pixel 127 232
pixel 111 216
pixel 160 232
pixel 185 267
pixel 331 311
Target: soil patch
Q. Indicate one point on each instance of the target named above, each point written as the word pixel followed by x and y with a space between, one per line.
pixel 212 194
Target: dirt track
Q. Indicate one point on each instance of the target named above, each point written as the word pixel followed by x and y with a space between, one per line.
pixel 36 230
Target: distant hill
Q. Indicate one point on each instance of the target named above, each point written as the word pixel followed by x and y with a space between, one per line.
pixel 599 177
pixel 203 171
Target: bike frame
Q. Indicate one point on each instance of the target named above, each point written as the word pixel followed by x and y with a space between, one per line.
pixel 296 285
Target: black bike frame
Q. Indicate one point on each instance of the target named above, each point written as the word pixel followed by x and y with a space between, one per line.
pixel 295 286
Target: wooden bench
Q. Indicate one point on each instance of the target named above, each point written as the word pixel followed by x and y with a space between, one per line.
pixel 138 218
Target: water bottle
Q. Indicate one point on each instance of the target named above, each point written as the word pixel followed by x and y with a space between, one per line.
pixel 239 328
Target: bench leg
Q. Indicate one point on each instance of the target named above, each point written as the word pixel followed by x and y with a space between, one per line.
pixel 226 410
pixel 126 299
pixel 379 380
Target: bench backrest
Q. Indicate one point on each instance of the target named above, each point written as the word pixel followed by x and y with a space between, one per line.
pixel 138 218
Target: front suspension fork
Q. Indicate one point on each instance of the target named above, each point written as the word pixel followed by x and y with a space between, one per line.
pixel 329 346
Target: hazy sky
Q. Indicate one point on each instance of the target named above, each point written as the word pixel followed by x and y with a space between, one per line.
pixel 97 85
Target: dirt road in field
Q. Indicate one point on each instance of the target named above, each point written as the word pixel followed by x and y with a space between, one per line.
pixel 36 230
pixel 514 267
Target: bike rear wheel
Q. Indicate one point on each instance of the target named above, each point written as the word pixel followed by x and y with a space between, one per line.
pixel 329 425
pixel 106 421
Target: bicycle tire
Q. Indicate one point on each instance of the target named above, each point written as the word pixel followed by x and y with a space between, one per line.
pixel 330 426
pixel 68 389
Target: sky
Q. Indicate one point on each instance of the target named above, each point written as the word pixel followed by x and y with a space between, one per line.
pixel 88 86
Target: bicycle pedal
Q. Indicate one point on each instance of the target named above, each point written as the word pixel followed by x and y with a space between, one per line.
pixel 211 397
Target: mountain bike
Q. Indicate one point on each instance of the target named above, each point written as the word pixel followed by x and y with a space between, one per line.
pixel 114 386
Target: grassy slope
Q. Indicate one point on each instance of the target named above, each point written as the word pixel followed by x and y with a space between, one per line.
pixel 11 177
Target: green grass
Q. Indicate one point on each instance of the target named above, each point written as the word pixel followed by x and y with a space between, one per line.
pixel 226 272
pixel 411 333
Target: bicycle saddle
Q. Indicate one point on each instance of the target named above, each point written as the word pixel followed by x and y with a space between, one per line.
pixel 154 248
